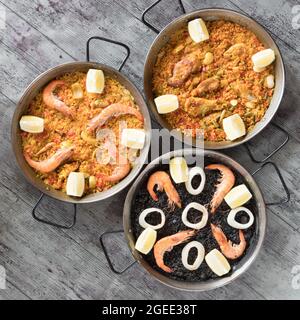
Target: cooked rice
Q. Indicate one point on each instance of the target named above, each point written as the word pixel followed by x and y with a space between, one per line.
pixel 234 74
pixel 61 129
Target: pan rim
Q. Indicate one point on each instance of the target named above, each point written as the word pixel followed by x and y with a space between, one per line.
pixel 212 283
pixel 266 120
pixel 59 195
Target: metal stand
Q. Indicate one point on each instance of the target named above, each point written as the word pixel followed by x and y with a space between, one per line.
pixel 111 266
pixel 109 41
pixel 54 224
pixel 152 6
pixel 69 226
pixel 287 137
pixel 287 192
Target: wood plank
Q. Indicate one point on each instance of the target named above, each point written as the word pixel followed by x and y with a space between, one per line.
pixel 278 18
pixel 80 24
pixel 50 263
pixel 282 23
pixel 12 293
pixel 271 274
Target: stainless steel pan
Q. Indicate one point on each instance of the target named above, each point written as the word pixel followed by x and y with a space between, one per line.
pixel 214 14
pixel 38 84
pixel 257 241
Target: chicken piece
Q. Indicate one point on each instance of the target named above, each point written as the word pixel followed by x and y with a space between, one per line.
pixel 184 68
pixel 196 107
pixel 208 85
pixel 235 50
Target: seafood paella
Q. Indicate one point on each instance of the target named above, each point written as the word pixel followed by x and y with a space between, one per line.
pixel 193 223
pixel 82 133
pixel 214 79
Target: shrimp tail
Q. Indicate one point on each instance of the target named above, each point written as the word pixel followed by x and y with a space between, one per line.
pixel 52 101
pixel 113 110
pixel 229 249
pixel 163 182
pixel 167 244
pixel 51 163
pixel 120 171
pixel 225 183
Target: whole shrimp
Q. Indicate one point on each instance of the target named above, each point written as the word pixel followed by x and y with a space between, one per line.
pixel 114 110
pixel 51 163
pixel 120 171
pixel 166 244
pixel 229 249
pixel 53 102
pixel 164 183
pixel 184 68
pixel 226 182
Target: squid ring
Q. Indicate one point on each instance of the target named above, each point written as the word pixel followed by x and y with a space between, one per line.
pixel 145 224
pixel 234 224
pixel 199 207
pixel 192 173
pixel 200 255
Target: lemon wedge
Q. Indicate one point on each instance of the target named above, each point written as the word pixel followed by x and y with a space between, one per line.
pixel 146 240
pixel 32 124
pixel 263 58
pixel 179 170
pixel 166 103
pixel 238 196
pixel 258 70
pixel 234 127
pixel 95 81
pixel 197 30
pixel 133 138
pixel 75 184
pixel 217 262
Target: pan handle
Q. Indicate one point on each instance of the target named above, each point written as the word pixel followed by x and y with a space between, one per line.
pixel 286 189
pixel 271 154
pixel 54 224
pixel 152 6
pixel 111 265
pixel 109 41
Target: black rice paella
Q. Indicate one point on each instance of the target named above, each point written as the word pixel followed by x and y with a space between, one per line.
pixel 182 231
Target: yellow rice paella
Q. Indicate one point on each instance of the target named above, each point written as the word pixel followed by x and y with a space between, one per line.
pixel 210 71
pixel 73 133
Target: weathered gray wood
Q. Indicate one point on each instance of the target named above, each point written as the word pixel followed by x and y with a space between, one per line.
pixel 43 262
pixel 279 18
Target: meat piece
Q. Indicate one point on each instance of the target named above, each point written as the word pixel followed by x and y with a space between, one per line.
pixel 235 50
pixel 181 72
pixel 207 85
pixel 184 68
pixel 196 107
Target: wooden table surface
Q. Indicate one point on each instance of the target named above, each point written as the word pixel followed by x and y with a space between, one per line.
pixel 43 262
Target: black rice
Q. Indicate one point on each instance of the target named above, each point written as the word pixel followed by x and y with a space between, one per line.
pixel 174 224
